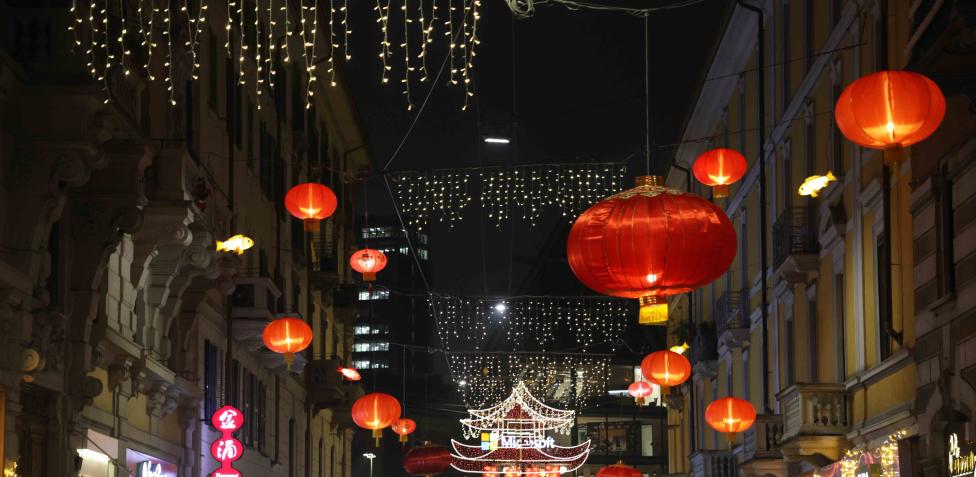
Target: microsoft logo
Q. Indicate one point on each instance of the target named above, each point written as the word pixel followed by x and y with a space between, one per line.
pixel 489 441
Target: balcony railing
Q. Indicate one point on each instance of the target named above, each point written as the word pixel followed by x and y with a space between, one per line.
pixel 794 233
pixel 730 311
pixel 815 410
pixel 705 463
pixel 761 440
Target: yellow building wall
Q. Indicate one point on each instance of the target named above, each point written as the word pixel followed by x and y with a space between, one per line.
pixel 870 284
pixel 891 391
pixel 136 413
pixel 104 400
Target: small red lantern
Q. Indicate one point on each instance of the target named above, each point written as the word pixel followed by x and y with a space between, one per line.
pixel 350 374
pixel 619 470
pixel 718 168
pixel 287 336
pixel 650 242
pixel 640 390
pixel 730 415
pixel 375 411
pixel 311 202
pixel 403 427
pixel 427 460
pixel 368 261
pixel 890 110
pixel 666 368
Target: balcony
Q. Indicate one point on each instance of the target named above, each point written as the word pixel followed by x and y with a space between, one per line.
pixel 816 420
pixel 323 384
pixel 712 463
pixel 761 441
pixel 795 245
pixel 342 413
pixel 732 318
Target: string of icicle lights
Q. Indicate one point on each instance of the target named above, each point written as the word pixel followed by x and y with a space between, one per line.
pixel 536 324
pixel 161 40
pixel 524 191
pixel 567 379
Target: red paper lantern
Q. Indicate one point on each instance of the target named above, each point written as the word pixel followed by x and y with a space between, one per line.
pixel 619 470
pixel 287 336
pixel 890 110
pixel 640 390
pixel 311 202
pixel 427 460
pixel 375 411
pixel 730 415
pixel 368 261
pixel 404 427
pixel 718 168
pixel 666 368
pixel 650 242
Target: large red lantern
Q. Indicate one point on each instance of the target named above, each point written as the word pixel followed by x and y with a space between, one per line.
pixel 666 368
pixel 718 168
pixel 311 202
pixel 640 390
pixel 427 460
pixel 730 415
pixel 650 242
pixel 404 427
pixel 287 336
pixel 890 110
pixel 368 262
pixel 375 411
pixel 619 470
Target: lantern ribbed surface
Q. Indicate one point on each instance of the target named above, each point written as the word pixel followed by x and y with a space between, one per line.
pixel 890 110
pixel 650 242
pixel 718 168
pixel 666 368
pixel 368 261
pixel 287 336
pixel 730 415
pixel 376 411
pixel 619 470
pixel 311 202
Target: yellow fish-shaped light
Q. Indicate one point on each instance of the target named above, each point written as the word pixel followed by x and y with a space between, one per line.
pixel 236 244
pixel 812 185
pixel 681 348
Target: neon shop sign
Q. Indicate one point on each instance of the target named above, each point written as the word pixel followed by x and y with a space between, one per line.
pixel 960 464
pixel 492 441
pixel 227 449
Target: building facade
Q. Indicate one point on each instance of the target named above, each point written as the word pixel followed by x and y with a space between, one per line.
pixel 123 327
pixel 842 318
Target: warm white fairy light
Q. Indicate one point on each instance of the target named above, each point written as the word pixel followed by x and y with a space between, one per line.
pixel 76 24
pixel 92 42
pixel 451 43
pixel 443 194
pixel 309 52
pixel 333 45
pixel 272 46
pixel 407 68
pixel 471 51
pixel 427 31
pixel 168 33
pixel 383 18
pixel 107 50
pixel 194 28
pixel 258 60
pixel 124 52
pixel 288 32
pixel 148 44
pixel 229 26
pixel 346 32
pixel 242 44
pixel 463 46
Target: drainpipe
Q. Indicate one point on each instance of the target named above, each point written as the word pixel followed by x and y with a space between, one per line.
pixel 763 245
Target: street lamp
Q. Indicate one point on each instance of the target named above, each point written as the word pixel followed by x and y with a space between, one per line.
pixel 370 456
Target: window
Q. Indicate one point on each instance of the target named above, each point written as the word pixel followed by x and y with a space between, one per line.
pixel 810 138
pixel 211 372
pixel 422 253
pixel 742 114
pixel 379 232
pixel 785 54
pixel 365 347
pixel 361 364
pixel 361 330
pixel 376 294
pixel 885 322
pixel 841 329
pixel 422 238
pixel 786 164
pixel 836 9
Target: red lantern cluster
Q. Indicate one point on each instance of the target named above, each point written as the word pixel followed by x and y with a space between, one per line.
pixel 368 262
pixel 650 242
pixel 666 368
pixel 890 110
pixel 619 470
pixel 311 203
pixel 718 168
pixel 376 411
pixel 427 460
pixel 287 336
pixel 404 427
pixel 730 415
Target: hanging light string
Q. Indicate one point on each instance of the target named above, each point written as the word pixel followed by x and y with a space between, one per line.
pixel 310 59
pixel 258 60
pixel 472 51
pixel 451 38
pixel 229 26
pixel 194 27
pixel 76 24
pixel 124 52
pixel 407 68
pixel 107 49
pixel 333 45
pixel 168 33
pixel 426 31
pixel 90 51
pixel 346 32
pixel 383 18
pixel 148 42
pixel 288 31
pixel 272 45
pixel 242 45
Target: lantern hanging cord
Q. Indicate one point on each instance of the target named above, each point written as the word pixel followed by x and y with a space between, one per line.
pixel 647 90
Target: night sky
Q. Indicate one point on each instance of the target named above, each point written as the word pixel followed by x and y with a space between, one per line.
pixel 578 81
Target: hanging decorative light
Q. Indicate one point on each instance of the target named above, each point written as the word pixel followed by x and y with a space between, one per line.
pixel 619 470
pixel 368 261
pixel 403 427
pixel 376 411
pixel 666 368
pixel 650 242
pixel 730 415
pixel 350 374
pixel 311 202
pixel 640 390
pixel 287 336
pixel 890 110
pixel 718 168
pixel 427 460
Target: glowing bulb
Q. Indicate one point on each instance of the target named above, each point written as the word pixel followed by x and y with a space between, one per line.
pixel 501 308
pixel 891 127
pixel 651 277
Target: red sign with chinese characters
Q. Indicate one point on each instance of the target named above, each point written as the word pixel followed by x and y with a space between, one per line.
pixel 227 449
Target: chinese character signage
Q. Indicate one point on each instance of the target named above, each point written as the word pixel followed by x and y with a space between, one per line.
pixel 227 449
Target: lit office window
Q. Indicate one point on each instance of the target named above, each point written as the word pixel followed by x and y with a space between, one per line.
pixel 377 294
pixel 361 364
pixel 366 347
pixel 361 330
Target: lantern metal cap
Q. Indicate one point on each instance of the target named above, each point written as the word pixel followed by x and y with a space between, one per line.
pixel 649 181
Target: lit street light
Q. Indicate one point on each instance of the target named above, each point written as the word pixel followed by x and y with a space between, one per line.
pixel 370 456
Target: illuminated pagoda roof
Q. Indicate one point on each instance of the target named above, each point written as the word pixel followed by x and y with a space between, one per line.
pixel 519 412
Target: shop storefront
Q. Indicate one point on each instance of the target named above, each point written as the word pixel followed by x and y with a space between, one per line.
pixel 98 455
pixel 882 461
pixel 144 465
